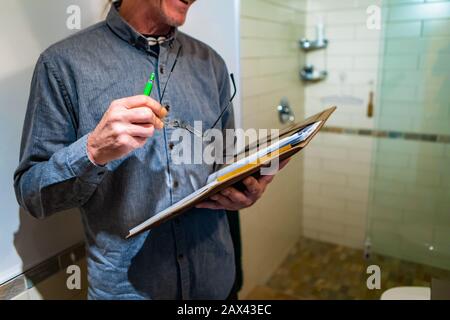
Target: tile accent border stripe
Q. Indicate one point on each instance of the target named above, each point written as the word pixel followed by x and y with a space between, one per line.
pixel 389 134
pixel 42 271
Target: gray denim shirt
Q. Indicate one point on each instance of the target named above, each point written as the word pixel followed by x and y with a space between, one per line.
pixel 75 80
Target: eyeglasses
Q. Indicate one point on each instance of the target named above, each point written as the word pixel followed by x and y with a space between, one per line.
pixel 185 125
pixel 230 103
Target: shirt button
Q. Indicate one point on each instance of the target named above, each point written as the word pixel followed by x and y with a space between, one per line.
pixel 181 256
pixel 171 146
pixel 161 69
pixel 175 184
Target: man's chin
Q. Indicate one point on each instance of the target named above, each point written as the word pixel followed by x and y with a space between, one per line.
pixel 176 22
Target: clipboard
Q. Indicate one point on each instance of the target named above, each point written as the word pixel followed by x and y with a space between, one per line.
pixel 235 176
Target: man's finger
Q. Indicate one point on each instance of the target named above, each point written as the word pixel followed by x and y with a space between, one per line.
pixel 142 115
pixel 143 101
pixel 253 186
pixel 223 201
pixel 136 142
pixel 209 205
pixel 237 197
pixel 140 131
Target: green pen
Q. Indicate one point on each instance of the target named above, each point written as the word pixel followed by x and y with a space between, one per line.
pixel 148 92
pixel 149 85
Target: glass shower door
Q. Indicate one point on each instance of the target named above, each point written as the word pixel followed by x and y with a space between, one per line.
pixel 409 206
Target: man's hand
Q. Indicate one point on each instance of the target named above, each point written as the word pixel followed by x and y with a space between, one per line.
pixel 126 126
pixel 232 199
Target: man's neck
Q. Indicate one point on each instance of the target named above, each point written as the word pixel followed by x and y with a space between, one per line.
pixel 143 17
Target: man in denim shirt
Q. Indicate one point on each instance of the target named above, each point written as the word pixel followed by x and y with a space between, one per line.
pixel 90 141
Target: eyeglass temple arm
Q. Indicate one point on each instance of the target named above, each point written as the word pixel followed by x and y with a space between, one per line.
pixel 229 102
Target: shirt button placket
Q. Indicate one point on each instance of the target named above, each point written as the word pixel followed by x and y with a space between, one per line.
pixel 180 239
pixel 181 258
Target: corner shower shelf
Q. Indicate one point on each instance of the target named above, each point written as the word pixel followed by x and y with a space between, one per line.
pixel 308 74
pixel 315 76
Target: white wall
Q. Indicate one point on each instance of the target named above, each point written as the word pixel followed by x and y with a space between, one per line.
pixel 27 27
pixel 271 60
pixel 216 23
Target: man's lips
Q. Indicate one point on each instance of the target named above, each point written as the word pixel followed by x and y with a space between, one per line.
pixel 184 5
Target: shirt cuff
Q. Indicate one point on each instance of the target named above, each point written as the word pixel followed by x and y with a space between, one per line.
pixel 81 165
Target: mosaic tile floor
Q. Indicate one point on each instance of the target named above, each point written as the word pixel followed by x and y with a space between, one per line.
pixel 317 270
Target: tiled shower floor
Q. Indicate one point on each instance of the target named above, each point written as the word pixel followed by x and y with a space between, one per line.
pixel 317 270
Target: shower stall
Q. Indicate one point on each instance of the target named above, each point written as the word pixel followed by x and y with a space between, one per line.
pixel 409 193
pixel 376 180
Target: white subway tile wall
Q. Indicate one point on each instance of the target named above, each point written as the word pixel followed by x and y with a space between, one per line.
pixel 338 167
pixel 270 61
pixel 336 188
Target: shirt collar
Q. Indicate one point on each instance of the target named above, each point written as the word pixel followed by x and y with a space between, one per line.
pixel 127 33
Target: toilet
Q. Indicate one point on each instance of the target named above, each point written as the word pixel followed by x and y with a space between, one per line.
pixel 407 293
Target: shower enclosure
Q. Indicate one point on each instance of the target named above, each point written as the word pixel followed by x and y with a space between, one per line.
pixel 409 197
